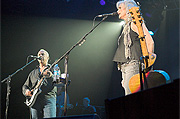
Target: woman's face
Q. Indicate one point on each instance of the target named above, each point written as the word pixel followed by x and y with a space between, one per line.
pixel 122 11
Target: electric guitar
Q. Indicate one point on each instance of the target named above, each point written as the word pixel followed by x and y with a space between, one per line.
pixel 36 91
pixel 154 78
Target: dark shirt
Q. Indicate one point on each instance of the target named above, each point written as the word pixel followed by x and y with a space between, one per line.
pixel 88 110
pixel 48 89
pixel 135 49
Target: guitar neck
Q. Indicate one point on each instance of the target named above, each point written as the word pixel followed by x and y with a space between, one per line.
pixel 138 21
pixel 143 42
pixel 43 78
pixel 40 82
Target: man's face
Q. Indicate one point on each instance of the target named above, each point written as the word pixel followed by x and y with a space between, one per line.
pixel 122 11
pixel 44 57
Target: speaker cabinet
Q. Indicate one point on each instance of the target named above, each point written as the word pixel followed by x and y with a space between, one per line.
pixel 157 103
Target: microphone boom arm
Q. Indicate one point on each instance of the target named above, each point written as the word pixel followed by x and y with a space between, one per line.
pixel 80 42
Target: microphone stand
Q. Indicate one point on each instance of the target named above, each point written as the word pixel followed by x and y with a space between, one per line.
pixel 8 81
pixel 80 42
pixel 66 84
pixel 143 72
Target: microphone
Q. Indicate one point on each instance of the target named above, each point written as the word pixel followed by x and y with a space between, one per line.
pixel 35 57
pixel 108 14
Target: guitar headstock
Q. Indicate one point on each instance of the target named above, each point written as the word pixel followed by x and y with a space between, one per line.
pixel 137 19
pixel 136 16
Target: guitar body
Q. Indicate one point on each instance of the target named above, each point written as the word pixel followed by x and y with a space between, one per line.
pixel 30 101
pixel 154 78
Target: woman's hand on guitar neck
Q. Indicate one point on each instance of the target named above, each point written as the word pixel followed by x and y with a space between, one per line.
pixel 152 55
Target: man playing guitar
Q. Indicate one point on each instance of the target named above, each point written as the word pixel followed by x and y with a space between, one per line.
pixel 40 90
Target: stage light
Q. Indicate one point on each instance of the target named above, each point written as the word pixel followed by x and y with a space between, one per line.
pixel 151 33
pixel 102 2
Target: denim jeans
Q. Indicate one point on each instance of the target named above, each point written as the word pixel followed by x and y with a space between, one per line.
pixel 44 108
pixel 128 70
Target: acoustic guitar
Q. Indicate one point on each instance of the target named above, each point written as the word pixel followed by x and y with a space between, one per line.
pixel 154 78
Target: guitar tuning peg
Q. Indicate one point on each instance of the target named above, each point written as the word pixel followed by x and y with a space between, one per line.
pixel 137 11
pixel 131 13
pixel 140 21
pixel 134 21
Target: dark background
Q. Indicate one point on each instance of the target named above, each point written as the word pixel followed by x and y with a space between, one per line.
pixel 56 25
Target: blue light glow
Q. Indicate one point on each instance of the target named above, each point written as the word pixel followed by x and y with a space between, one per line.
pixel 151 33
